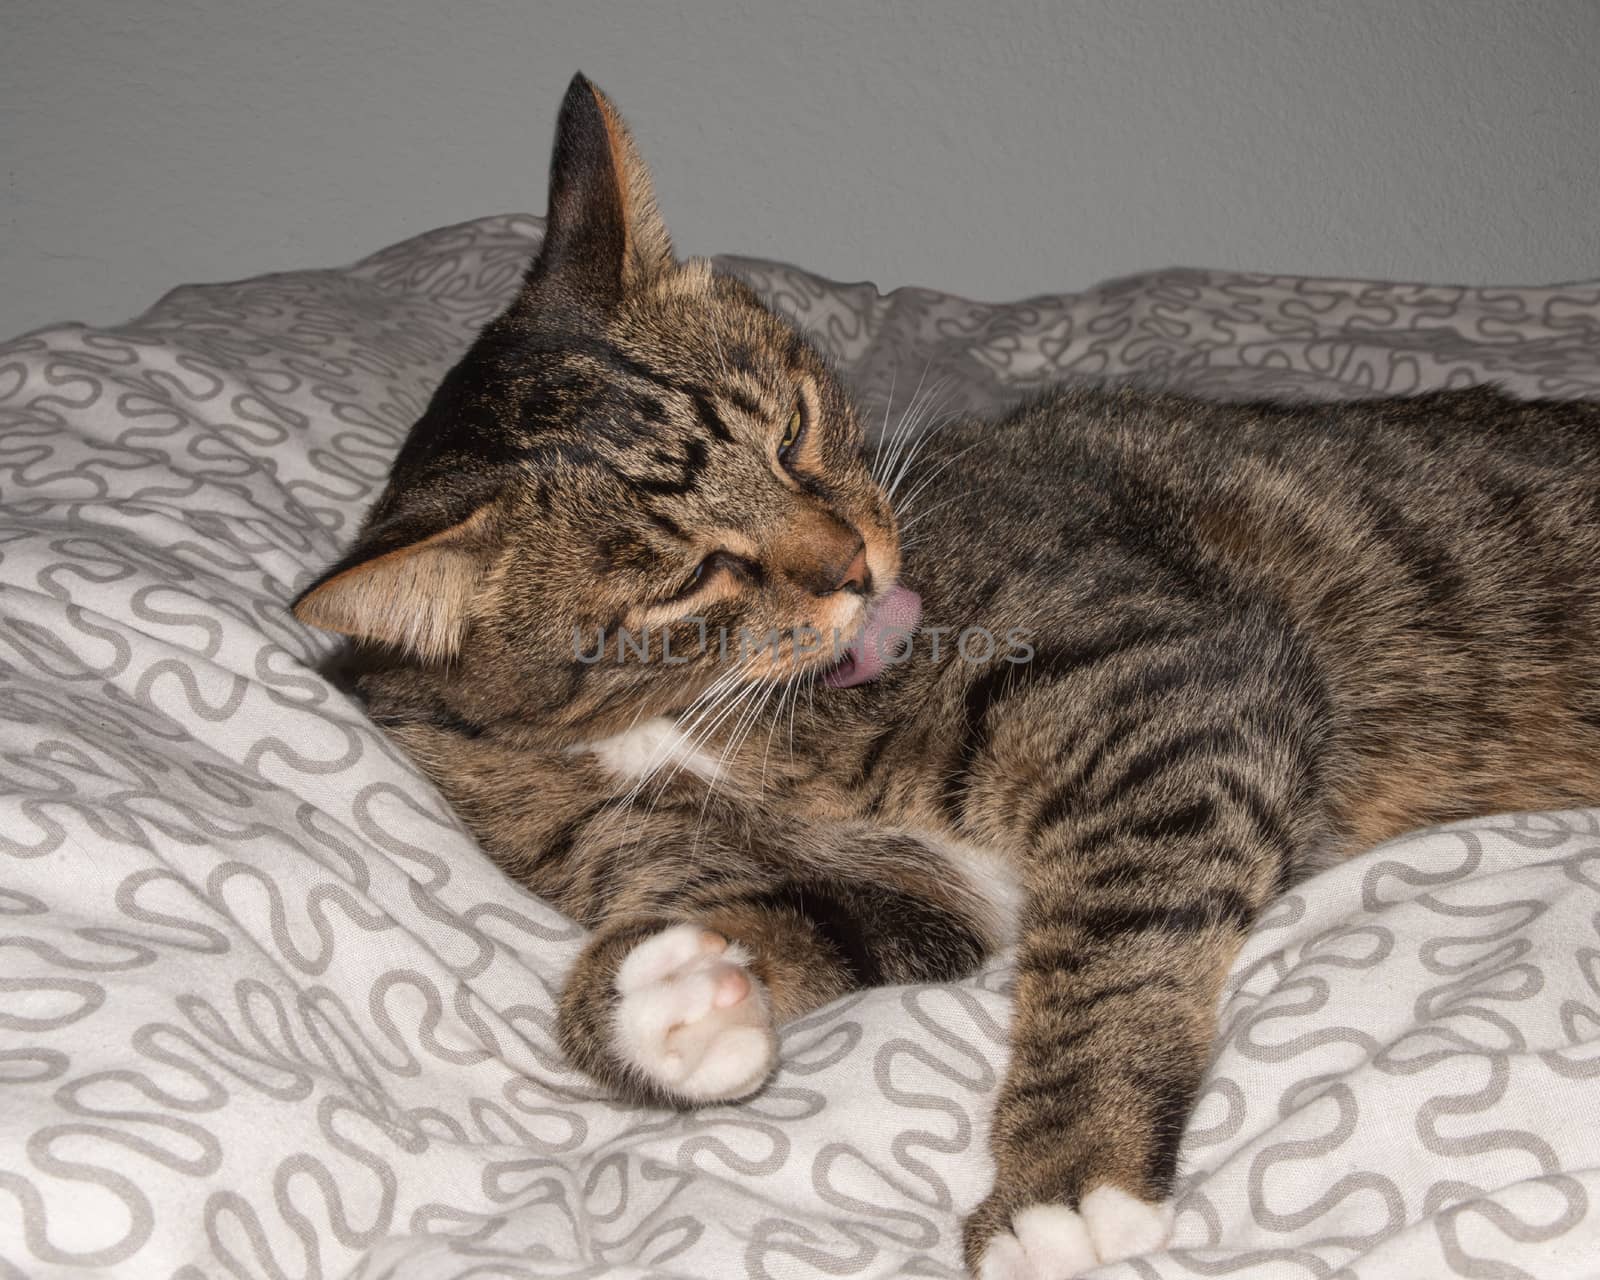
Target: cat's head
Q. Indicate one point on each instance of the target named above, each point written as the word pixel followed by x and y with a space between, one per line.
pixel 637 444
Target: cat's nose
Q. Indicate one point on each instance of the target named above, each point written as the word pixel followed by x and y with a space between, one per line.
pixel 823 555
pixel 857 577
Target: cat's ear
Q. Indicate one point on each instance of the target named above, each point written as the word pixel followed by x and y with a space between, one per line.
pixel 603 234
pixel 408 582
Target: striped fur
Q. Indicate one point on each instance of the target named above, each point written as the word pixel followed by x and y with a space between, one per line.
pixel 1262 637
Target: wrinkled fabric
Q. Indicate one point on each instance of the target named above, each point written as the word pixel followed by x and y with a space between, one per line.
pixel 266 1011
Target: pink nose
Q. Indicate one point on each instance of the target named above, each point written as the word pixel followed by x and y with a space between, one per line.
pixel 855 574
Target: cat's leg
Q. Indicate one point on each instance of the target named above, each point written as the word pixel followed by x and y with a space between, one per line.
pixel 715 921
pixel 1113 1020
pixel 680 1004
pixel 1165 833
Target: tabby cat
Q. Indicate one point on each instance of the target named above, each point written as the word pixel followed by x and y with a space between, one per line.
pixel 1191 653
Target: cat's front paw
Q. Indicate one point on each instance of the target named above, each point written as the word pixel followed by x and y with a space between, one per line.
pixel 692 1019
pixel 1053 1242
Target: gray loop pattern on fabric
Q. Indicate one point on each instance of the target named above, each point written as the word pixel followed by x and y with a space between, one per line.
pixel 265 1011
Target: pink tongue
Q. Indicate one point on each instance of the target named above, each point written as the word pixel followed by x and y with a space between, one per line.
pixel 888 628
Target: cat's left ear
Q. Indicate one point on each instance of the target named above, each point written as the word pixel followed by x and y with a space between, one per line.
pixel 603 234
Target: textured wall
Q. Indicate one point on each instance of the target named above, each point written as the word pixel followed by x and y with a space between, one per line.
pixel 993 149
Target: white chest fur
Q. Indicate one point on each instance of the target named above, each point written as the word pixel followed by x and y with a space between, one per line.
pixel 653 746
pixel 991 878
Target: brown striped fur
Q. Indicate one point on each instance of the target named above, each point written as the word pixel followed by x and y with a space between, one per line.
pixel 1264 637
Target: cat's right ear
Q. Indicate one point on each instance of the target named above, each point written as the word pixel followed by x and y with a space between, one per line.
pixel 603 233
pixel 409 582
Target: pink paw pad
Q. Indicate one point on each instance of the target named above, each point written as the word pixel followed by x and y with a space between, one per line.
pixel 692 1018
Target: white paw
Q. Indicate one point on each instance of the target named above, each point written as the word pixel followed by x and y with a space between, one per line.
pixel 1053 1242
pixel 693 1019
pixel 1046 1242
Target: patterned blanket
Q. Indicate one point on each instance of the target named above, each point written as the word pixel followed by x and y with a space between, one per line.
pixel 265 1011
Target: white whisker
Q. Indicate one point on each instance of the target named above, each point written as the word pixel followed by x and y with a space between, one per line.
pixel 956 497
pixel 919 442
pixel 883 432
pixel 736 738
pixel 907 418
pixel 921 486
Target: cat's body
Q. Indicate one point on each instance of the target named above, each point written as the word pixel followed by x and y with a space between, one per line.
pixel 1186 654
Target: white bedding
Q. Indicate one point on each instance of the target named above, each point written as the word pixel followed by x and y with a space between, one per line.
pixel 265 1011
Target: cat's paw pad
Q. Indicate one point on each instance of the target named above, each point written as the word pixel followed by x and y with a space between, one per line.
pixel 692 1018
pixel 1053 1242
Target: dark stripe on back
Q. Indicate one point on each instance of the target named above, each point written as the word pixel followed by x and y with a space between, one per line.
pixel 1269 826
pixel 873 755
pixel 1183 823
pixel 1148 763
pixel 980 695
pixel 1003 680
pixel 1059 803
pixel 1152 761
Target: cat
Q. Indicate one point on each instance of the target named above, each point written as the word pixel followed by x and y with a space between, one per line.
pixel 1191 653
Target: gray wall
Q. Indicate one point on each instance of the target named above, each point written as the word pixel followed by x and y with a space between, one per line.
pixel 990 147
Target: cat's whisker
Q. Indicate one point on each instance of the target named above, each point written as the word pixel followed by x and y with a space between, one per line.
pixel 740 731
pixel 907 415
pixel 905 508
pixel 701 705
pixel 694 733
pixel 936 422
pixel 906 430
pixel 777 719
pixel 709 724
pixel 928 511
pixel 924 435
pixel 739 698
pixel 721 687
pixel 883 433
pixel 806 681
pixel 917 413
pixel 734 710
pixel 695 730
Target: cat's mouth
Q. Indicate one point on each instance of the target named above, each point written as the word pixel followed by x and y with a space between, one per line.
pixel 884 639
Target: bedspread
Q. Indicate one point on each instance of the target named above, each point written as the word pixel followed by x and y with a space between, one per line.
pixel 266 1011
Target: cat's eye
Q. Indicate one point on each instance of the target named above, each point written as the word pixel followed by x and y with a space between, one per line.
pixel 742 568
pixel 793 432
pixel 695 578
